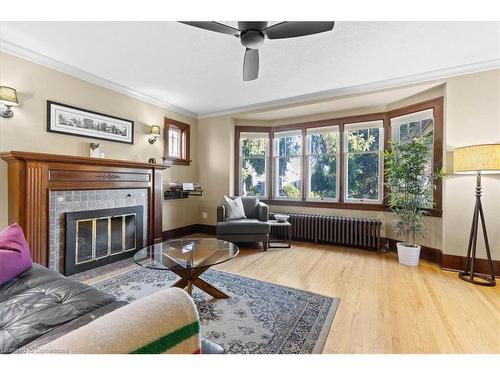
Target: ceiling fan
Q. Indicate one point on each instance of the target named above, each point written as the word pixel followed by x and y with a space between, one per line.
pixel 253 33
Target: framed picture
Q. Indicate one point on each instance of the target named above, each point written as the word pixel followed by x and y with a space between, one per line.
pixel 66 119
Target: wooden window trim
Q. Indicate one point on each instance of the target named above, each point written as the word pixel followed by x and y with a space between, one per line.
pixel 252 129
pixel 185 142
pixel 435 104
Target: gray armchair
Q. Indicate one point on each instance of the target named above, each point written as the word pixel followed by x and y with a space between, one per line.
pixel 254 228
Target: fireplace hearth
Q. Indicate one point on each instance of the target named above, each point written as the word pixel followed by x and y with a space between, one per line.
pixel 98 237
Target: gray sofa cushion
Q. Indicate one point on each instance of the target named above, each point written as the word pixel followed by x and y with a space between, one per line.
pixel 243 226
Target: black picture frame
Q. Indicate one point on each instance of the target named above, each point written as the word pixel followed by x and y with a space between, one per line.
pixel 122 130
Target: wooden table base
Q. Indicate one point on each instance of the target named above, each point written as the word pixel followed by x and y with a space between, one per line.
pixel 190 277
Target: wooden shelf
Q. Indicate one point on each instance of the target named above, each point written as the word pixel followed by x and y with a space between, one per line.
pixel 181 194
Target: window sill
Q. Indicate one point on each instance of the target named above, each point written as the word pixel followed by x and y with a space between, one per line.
pixel 434 212
pixel 175 161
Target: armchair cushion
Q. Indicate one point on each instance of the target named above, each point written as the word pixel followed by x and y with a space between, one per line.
pixel 234 208
pixel 251 207
pixel 243 226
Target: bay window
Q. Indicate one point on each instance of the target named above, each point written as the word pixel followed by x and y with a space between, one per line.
pixel 288 164
pixel 322 163
pixel 363 147
pixel 335 163
pixel 254 152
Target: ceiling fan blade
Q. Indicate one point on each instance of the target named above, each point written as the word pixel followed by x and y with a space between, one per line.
pixel 255 25
pixel 251 64
pixel 213 26
pixel 292 29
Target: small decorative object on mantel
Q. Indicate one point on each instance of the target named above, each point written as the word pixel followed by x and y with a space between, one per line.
pixel 152 160
pixel 183 190
pixel 65 119
pixel 95 152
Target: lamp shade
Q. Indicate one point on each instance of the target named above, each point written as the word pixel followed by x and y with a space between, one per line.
pixel 479 158
pixel 154 130
pixel 8 96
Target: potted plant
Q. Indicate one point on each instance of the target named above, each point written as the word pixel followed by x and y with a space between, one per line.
pixel 410 182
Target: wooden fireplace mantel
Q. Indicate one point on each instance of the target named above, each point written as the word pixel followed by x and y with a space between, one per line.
pixel 31 177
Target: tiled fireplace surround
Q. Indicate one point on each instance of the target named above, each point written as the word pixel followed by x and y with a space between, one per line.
pixel 64 201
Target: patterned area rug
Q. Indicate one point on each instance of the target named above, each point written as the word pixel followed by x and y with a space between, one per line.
pixel 259 317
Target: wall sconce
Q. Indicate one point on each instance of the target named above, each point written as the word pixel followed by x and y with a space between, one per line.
pixel 8 98
pixel 154 133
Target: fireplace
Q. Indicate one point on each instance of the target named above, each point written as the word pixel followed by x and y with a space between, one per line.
pixel 42 188
pixel 98 237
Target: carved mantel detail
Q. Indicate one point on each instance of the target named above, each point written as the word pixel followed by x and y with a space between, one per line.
pixel 108 176
pixel 31 177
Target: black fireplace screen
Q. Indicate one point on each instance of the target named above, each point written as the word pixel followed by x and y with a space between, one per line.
pixel 98 237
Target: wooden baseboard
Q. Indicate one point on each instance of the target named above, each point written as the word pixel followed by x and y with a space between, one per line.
pixel 449 262
pixel 207 229
pixel 457 263
pixel 187 230
pixel 179 232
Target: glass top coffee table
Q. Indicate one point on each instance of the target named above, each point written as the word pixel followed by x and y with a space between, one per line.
pixel 188 258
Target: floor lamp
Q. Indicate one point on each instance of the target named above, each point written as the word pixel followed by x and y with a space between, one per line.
pixel 479 159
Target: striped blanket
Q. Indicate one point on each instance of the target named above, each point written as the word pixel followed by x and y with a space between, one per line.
pixel 164 322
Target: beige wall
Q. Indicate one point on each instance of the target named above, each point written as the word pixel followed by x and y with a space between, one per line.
pixel 26 131
pixel 216 163
pixel 471 116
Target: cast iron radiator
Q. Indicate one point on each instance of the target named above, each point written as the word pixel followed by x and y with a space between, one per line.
pixel 345 231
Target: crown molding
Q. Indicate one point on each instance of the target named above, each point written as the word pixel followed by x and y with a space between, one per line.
pixel 426 77
pixel 49 62
pixel 420 78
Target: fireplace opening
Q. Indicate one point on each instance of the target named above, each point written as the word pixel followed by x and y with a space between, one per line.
pixel 98 237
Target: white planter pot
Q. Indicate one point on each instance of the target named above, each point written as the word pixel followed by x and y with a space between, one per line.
pixel 408 255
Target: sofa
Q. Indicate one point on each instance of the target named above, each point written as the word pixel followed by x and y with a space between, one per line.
pixel 42 311
pixel 255 228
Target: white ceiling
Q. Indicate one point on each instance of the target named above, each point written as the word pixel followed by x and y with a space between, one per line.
pixel 378 99
pixel 201 71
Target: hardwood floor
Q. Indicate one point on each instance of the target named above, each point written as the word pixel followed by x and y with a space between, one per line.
pixel 384 307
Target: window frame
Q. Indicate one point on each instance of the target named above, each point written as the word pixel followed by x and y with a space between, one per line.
pixel 266 160
pixel 275 160
pixel 184 146
pixel 308 155
pixel 380 152
pixel 436 104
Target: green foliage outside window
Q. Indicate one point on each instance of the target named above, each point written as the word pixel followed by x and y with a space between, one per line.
pixel 291 191
pixel 363 164
pixel 253 164
pixel 323 165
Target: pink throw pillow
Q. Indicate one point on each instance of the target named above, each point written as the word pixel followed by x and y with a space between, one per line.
pixel 15 254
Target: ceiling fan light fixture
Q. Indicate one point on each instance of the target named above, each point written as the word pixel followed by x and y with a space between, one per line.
pixel 252 39
pixel 253 33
